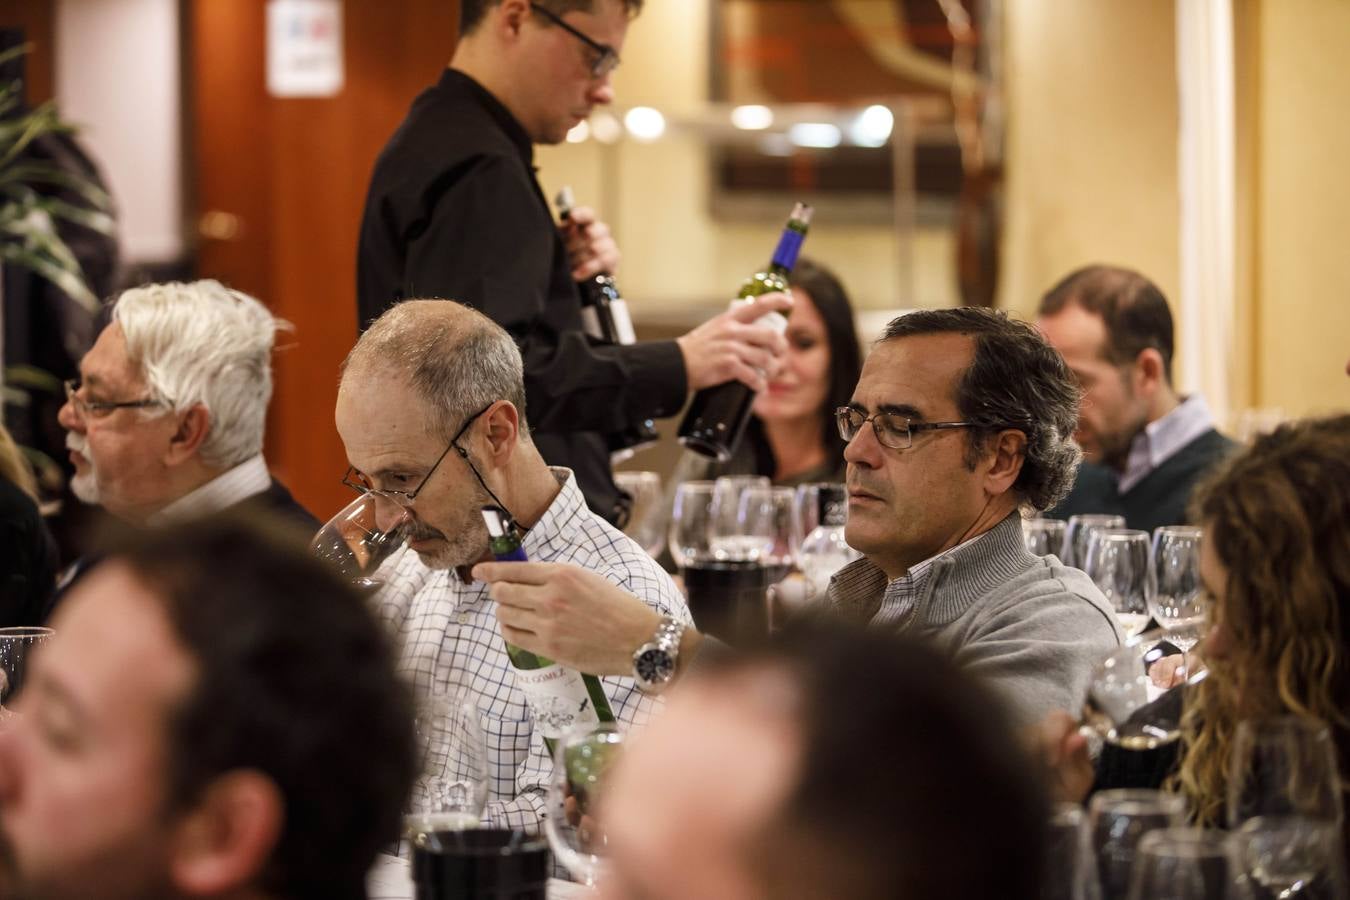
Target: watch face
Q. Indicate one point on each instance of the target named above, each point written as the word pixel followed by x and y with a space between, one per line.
pixel 654 666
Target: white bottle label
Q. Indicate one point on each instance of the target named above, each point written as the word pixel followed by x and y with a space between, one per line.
pixel 557 698
pixel 623 323
pixel 774 319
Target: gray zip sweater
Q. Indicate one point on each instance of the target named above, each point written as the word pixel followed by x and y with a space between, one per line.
pixel 1032 627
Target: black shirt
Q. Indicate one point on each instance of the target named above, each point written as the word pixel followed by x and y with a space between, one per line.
pixel 27 560
pixel 455 211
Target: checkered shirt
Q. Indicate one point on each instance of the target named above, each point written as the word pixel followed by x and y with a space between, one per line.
pixel 450 642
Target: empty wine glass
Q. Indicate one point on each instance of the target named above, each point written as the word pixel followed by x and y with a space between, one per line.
pixel 1186 864
pixel 17 645
pixel 1283 766
pixel 691 523
pixel 646 523
pixel 573 821
pixel 1071 867
pixel 1118 561
pixel 1044 536
pixel 451 789
pixel 360 537
pixel 1119 820
pixel 1076 535
pixel 820 511
pixel 742 520
pixel 1178 602
pixel 779 512
pixel 1134 699
pixel 1285 854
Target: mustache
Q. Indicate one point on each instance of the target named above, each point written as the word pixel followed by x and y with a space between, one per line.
pixel 418 531
pixel 77 442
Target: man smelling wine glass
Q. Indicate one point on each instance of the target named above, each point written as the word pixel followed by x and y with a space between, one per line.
pixel 431 411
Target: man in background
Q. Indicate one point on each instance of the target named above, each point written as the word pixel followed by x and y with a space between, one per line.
pixel 455 211
pixel 1145 446
pixel 166 421
pixel 834 763
pixel 216 716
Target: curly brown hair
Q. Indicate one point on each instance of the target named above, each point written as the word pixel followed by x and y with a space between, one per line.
pixel 1278 519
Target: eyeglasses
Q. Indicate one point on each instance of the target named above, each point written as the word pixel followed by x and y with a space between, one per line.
pixel 360 482
pixel 607 58
pixel 892 429
pixel 97 409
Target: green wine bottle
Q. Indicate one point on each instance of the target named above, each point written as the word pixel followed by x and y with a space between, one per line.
pixel 718 415
pixel 559 698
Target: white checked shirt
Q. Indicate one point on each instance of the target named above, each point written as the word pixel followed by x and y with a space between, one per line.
pixel 450 641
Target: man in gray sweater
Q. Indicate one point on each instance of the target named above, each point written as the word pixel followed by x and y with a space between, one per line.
pixel 962 418
pixel 971 419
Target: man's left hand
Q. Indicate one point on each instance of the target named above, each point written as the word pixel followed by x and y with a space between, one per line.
pixel 590 246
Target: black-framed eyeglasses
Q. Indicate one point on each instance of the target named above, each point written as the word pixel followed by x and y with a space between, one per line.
pixel 892 429
pixel 97 409
pixel 360 482
pixel 606 57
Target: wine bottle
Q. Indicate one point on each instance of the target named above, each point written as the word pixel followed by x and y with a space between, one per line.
pixel 604 315
pixel 559 698
pixel 718 415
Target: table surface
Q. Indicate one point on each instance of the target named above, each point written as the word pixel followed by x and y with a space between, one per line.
pixel 390 879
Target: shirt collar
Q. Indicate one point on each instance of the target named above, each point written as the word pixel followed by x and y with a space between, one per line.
pixel 456 82
pixel 1163 438
pixel 233 486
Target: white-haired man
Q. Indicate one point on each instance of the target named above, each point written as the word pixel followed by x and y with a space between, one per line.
pixel 166 420
pixel 431 413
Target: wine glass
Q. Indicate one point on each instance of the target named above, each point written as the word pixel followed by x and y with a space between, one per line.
pixel 1071 867
pixel 1285 854
pixel 1178 603
pixel 645 523
pixel 1118 561
pixel 741 515
pixel 1076 535
pixel 451 789
pixel 1282 766
pixel 360 537
pixel 1044 536
pixel 820 512
pixel 16 647
pixel 1186 864
pixel 582 760
pixel 1134 699
pixel 1119 820
pixel 690 523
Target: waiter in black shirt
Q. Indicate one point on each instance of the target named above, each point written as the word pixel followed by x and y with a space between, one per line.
pixel 454 211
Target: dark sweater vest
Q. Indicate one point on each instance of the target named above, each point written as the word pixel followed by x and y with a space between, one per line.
pixel 1160 498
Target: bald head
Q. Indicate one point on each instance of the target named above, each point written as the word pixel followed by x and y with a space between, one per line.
pixel 457 360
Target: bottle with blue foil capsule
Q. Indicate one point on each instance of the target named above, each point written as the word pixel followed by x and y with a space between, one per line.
pixel 718 415
pixel 559 698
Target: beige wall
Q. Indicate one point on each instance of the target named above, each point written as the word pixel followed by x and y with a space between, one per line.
pixel 1092 142
pixel 1301 309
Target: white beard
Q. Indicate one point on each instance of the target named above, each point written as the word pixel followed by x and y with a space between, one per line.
pixel 85 484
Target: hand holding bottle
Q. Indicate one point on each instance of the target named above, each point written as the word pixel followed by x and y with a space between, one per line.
pixel 735 346
pixel 569 614
pixel 590 245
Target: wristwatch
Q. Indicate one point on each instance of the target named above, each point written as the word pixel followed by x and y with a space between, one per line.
pixel 654 662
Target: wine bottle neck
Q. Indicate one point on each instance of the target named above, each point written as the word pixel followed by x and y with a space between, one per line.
pixel 789 246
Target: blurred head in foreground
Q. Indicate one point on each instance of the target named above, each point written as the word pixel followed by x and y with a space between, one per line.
pixel 1276 564
pixel 835 763
pixel 216 716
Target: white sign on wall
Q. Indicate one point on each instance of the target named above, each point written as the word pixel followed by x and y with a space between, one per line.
pixel 304 48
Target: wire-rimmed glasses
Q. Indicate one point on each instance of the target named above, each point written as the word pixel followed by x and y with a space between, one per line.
pixel 97 409
pixel 892 430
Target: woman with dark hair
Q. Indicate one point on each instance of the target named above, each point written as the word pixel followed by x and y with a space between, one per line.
pixel 27 553
pixel 792 437
pixel 1276 565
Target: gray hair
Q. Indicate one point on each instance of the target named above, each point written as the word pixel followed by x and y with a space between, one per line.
pixel 202 343
pixel 458 360
pixel 1016 380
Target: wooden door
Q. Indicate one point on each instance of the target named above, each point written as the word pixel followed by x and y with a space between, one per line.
pixel 277 188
